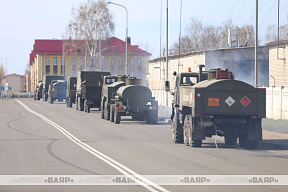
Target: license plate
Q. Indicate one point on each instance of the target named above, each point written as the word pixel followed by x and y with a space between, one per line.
pixel 213 102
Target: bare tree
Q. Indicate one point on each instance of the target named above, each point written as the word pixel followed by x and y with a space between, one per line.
pixel 246 35
pixel 27 68
pixel 2 73
pixel 91 22
pixel 271 34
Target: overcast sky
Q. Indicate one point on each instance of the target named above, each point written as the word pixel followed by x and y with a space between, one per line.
pixel 23 21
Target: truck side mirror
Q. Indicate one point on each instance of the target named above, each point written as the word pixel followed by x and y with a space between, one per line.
pixel 174 73
pixel 167 86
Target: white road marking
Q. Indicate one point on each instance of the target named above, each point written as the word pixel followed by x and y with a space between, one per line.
pixel 113 163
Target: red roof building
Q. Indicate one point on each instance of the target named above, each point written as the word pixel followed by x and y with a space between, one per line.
pixel 47 57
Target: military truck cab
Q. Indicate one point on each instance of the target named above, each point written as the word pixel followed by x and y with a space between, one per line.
pixel 38 91
pixel 217 105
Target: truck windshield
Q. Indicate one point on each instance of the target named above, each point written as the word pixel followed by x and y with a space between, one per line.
pixel 189 80
pixel 110 81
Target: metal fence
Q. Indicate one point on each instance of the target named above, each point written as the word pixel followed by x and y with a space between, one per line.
pixel 7 95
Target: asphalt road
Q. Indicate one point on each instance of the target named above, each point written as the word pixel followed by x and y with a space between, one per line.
pixel 31 146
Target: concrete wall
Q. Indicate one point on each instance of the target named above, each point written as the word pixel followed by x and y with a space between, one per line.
pixel 277 103
pixel 278 66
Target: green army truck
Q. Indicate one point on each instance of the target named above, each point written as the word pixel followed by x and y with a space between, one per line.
pixel 89 88
pixel 71 91
pixel 213 103
pixel 134 100
pixel 110 87
pixel 38 91
pixel 46 82
pixel 57 91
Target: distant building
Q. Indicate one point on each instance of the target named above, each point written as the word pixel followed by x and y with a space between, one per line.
pixel 239 60
pixel 28 82
pixel 15 82
pixel 278 69
pixel 47 58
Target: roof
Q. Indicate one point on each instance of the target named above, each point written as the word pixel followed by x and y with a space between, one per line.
pixel 110 46
pixel 200 52
pixel 276 43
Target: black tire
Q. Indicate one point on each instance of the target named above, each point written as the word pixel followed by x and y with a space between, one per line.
pixel 186 131
pixel 117 117
pixel 46 97
pixel 230 139
pixel 80 104
pixel 69 103
pixel 148 117
pixel 177 131
pixel 154 117
pixel 88 109
pixel 102 109
pixel 193 124
pixel 112 113
pixel 52 100
pixel 76 103
pixel 34 97
pixel 245 143
pixel 107 111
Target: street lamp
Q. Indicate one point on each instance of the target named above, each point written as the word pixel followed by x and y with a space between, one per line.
pixel 126 59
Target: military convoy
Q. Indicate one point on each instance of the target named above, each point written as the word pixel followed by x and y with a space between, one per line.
pixel 47 79
pixel 89 88
pixel 57 90
pixel 205 103
pixel 126 97
pixel 71 91
pixel 38 91
pixel 213 103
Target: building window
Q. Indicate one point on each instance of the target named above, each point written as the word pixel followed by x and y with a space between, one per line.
pixel 81 64
pixel 47 65
pixel 62 66
pixel 55 61
pixel 112 65
pixel 120 62
pixel 139 61
pixel 74 67
pixel 132 66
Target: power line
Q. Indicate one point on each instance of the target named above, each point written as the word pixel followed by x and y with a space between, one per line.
pixel 234 9
pixel 241 11
pixel 268 12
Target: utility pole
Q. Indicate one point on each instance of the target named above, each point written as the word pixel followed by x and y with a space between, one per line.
pixel 256 44
pixel 166 75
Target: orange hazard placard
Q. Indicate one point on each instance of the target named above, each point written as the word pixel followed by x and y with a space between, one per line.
pixel 213 102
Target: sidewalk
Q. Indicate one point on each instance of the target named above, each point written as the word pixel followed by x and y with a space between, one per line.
pixel 272 137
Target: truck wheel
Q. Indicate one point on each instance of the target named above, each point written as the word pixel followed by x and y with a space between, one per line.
pixel 193 143
pixel 148 117
pixel 102 109
pixel 245 143
pixel 34 97
pixel 76 103
pixel 186 130
pixel 112 113
pixel 70 102
pixel 177 131
pixel 107 111
pixel 46 97
pixel 154 117
pixel 52 100
pixel 80 104
pixel 117 117
pixel 230 139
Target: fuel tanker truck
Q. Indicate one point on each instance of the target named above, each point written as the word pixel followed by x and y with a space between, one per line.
pixel 133 99
pixel 110 85
pixel 213 103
